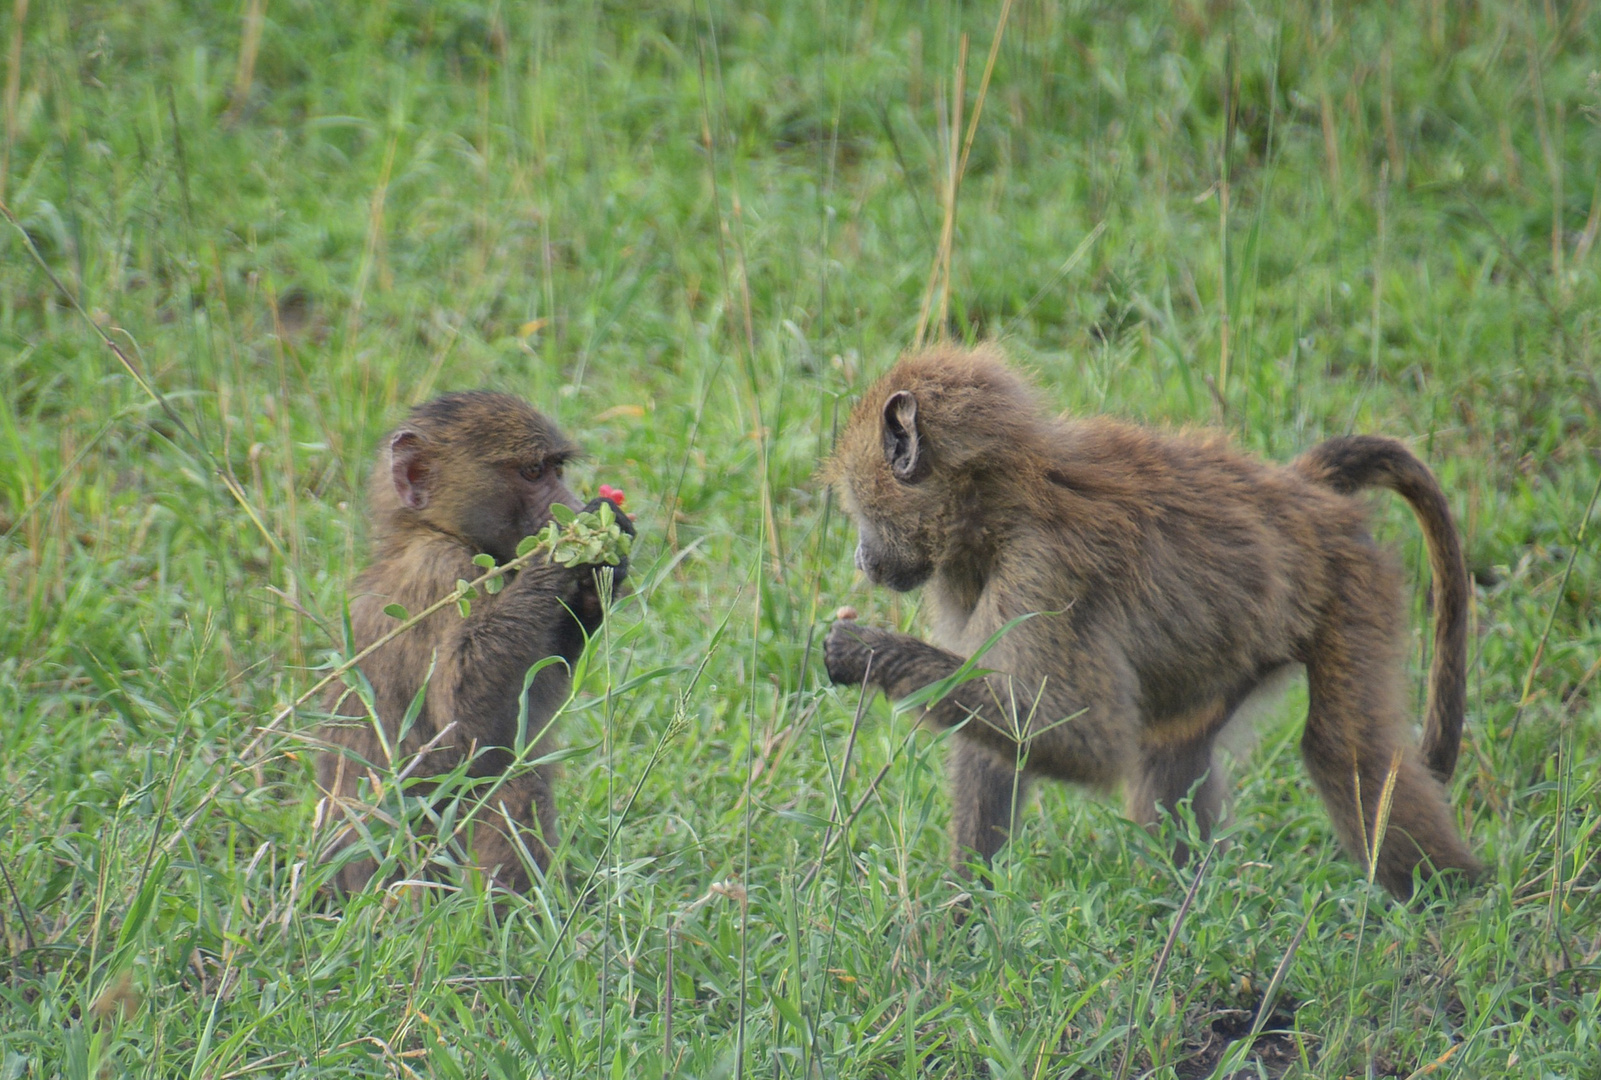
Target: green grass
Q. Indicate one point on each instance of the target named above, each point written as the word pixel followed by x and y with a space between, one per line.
pixel 691 232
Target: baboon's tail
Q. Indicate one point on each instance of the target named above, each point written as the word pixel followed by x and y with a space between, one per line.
pixel 1366 461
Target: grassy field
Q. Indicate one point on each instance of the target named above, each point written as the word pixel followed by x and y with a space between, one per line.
pixel 246 236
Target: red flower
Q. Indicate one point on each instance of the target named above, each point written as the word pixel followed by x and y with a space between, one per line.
pixel 614 494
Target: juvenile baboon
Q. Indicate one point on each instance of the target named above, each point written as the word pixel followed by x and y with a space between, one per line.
pixel 466 473
pixel 1167 579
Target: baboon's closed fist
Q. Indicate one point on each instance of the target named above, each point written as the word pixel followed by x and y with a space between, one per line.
pixel 586 602
pixel 846 651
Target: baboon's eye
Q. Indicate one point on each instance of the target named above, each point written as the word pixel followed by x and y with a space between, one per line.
pixel 532 473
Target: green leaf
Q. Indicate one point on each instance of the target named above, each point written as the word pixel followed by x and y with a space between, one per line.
pixel 801 817
pixel 484 559
pixel 465 606
pixel 563 513
pixel 788 1011
pixel 350 633
pixel 522 699
pixel 140 909
pixel 414 709
pixel 395 611
pixel 494 585
pixel 566 753
pixel 527 544
pixel 464 588
pixel 630 684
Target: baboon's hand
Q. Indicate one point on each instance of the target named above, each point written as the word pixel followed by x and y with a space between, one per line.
pixel 589 605
pixel 624 524
pixel 846 649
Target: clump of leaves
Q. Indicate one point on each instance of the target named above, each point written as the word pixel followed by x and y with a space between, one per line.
pixel 590 537
pixel 572 538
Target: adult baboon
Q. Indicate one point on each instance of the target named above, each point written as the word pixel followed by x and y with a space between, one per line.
pixel 1168 578
pixel 465 474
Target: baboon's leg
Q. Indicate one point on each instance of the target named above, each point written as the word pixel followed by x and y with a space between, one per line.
pixel 1354 731
pixel 527 802
pixel 1165 774
pixel 986 796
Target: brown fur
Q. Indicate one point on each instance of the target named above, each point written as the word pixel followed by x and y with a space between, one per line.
pixel 458 478
pixel 1172 577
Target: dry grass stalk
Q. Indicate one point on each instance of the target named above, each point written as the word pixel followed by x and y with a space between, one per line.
pixel 249 45
pixel 19 13
pixel 939 275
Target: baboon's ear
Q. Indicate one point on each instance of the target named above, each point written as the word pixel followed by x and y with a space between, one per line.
pixel 408 466
pixel 903 448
